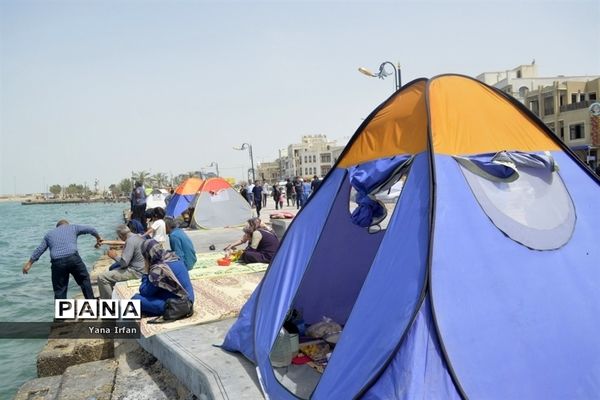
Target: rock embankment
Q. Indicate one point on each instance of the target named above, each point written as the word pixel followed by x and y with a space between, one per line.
pixel 101 369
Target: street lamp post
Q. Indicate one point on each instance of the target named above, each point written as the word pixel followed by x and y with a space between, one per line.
pixel 216 165
pixel 249 147
pixel 383 73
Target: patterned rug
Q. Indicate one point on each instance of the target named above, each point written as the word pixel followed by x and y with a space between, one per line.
pixel 220 292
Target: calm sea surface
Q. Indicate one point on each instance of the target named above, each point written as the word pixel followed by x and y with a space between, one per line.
pixel 30 297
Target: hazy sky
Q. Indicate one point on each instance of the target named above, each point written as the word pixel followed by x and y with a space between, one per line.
pixel 97 89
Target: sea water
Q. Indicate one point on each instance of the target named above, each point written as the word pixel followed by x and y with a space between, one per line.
pixel 25 298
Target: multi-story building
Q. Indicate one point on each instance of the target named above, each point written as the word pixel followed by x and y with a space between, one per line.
pixel 269 171
pixel 562 102
pixel 566 108
pixel 519 81
pixel 314 155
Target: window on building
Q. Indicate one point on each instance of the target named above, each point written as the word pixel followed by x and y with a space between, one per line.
pixel 551 126
pixel 325 169
pixel 548 105
pixel 581 96
pixel 314 158
pixel 573 97
pixel 304 159
pixel 561 129
pixel 523 90
pixel 534 106
pixel 592 96
pixel 562 100
pixel 305 171
pixel 518 74
pixel 325 157
pixel 576 132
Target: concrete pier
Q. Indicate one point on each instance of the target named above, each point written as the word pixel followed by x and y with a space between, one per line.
pixel 181 364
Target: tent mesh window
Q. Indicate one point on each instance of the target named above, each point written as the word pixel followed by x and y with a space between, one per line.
pixel 524 197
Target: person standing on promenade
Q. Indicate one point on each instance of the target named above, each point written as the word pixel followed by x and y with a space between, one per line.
pixel 65 260
pixel 314 185
pixel 276 196
pixel 289 191
pixel 130 265
pixel 250 194
pixel 181 243
pixel 244 194
pixel 257 197
pixel 265 193
pixel 169 196
pixel 138 202
pixel 298 190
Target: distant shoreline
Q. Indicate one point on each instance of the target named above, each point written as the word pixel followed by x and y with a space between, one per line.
pixel 8 199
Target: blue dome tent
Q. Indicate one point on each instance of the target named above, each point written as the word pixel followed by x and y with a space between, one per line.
pixel 483 284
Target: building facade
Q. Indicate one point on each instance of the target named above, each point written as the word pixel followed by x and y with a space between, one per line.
pixel 314 155
pixel 561 102
pixel 269 171
pixel 521 80
pixel 566 108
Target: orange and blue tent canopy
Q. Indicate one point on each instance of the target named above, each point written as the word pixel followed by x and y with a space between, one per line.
pixel 184 195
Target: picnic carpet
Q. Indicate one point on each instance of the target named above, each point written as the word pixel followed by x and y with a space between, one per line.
pixel 220 292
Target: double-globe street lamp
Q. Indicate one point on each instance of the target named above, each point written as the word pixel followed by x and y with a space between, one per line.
pixel 249 147
pixel 383 73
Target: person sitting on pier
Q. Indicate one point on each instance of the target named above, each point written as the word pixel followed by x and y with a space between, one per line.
pixel 262 243
pixel 157 229
pixel 181 243
pixel 129 265
pixel 65 259
pixel 158 284
pixel 135 226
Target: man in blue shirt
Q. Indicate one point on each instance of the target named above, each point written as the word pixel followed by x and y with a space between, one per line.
pixel 65 260
pixel 181 243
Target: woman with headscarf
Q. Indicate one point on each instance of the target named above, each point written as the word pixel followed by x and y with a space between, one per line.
pixel 166 277
pixel 262 243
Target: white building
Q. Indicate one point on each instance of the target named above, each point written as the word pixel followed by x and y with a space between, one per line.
pixel 314 155
pixel 519 81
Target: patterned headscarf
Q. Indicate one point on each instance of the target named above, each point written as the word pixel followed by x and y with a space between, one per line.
pixel 155 254
pixel 159 273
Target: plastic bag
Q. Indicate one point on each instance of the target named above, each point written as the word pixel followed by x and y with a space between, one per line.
pixel 325 327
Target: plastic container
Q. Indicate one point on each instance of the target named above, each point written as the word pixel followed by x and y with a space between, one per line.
pixel 284 349
pixel 224 262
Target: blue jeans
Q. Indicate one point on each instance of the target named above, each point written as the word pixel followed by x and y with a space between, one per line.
pixel 70 265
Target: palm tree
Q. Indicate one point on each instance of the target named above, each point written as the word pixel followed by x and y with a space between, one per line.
pixel 160 179
pixel 141 176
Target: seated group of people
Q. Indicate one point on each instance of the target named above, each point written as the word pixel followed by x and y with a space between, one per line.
pixel 141 252
pixel 164 273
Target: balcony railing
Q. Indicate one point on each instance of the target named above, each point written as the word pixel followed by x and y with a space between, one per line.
pixel 576 106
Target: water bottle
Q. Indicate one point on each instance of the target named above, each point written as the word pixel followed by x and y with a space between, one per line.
pixel 282 353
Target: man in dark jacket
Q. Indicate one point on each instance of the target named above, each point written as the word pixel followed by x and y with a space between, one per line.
pixel 289 192
pixel 314 185
pixel 257 192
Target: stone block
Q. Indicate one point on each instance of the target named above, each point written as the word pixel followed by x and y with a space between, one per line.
pixel 39 389
pixel 58 354
pixel 93 380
